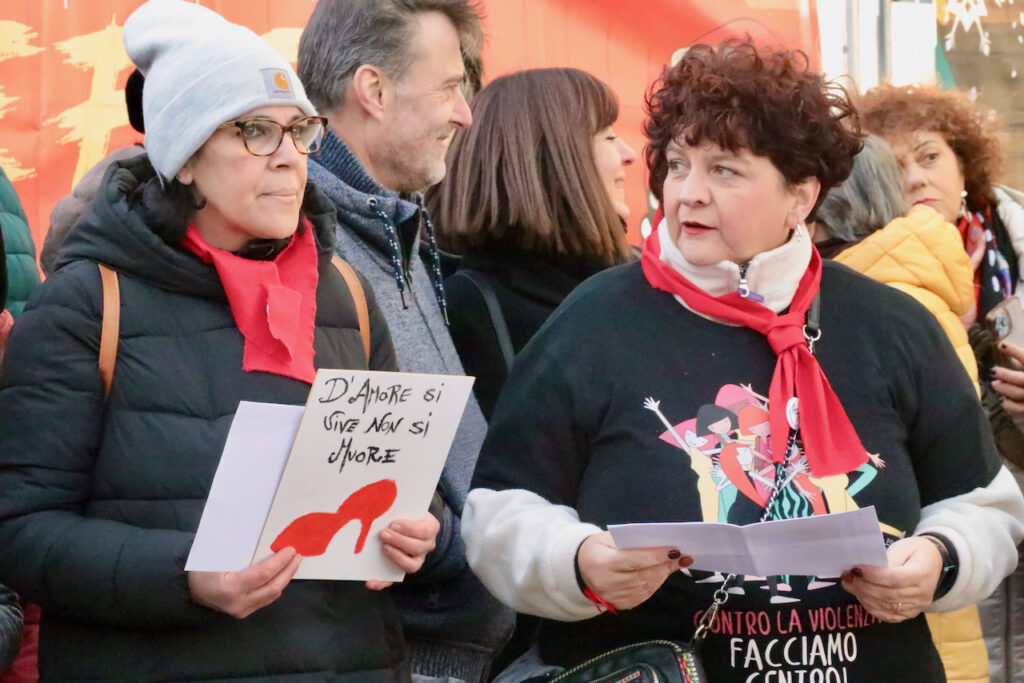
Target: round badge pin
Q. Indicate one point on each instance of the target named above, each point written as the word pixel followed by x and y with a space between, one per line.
pixel 793 413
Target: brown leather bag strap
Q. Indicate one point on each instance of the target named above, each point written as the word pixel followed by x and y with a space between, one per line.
pixel 111 327
pixel 359 297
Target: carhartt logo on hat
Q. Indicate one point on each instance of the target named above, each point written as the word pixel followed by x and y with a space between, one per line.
pixel 276 83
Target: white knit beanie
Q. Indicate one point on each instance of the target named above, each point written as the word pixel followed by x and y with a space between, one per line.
pixel 201 71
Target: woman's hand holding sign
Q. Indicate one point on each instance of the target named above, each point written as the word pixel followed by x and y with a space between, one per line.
pixel 242 593
pixel 406 543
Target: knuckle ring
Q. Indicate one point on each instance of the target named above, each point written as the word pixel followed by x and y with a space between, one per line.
pixel 897 607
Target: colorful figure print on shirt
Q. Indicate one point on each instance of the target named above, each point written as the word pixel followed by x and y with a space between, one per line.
pixel 729 448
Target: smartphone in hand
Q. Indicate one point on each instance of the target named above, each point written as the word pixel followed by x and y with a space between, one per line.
pixel 1006 323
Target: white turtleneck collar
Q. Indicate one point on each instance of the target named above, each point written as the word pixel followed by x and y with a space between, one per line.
pixel 773 275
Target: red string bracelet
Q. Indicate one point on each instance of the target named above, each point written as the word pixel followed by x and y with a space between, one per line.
pixel 602 604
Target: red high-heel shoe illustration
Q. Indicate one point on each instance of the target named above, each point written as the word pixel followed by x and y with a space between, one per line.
pixel 311 534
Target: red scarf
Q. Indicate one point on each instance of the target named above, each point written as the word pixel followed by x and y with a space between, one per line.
pixel 273 302
pixel 831 444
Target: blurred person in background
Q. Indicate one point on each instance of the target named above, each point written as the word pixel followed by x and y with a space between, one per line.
pixel 949 156
pixel 20 262
pixel 13 627
pixel 864 226
pixel 948 151
pixel 534 203
pixel 11 614
pixel 222 252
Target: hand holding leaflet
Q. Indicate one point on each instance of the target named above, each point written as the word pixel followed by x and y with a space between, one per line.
pixel 824 545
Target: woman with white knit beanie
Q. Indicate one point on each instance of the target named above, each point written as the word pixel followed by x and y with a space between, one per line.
pixel 222 253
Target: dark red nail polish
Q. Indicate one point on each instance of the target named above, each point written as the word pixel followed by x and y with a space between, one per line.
pixel 857 572
pixel 674 554
pixel 685 561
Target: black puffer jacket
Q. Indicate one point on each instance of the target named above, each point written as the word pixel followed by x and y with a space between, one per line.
pixel 99 500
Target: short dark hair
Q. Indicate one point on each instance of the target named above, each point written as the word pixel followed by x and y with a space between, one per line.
pixel 968 128
pixel 342 35
pixel 168 207
pixel 740 96
pixel 524 174
pixel 133 100
pixel 710 413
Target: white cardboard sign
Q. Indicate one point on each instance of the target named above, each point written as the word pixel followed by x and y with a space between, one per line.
pixel 369 450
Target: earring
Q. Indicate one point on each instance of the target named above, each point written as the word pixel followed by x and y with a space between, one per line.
pixel 963 202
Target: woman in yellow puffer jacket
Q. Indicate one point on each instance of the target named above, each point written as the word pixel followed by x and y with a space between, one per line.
pixel 861 225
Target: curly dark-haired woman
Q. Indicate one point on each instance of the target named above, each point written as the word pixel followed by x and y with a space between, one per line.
pixel 597 422
pixel 949 155
pixel 950 158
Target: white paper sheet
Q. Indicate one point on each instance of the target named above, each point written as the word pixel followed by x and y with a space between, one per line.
pixel 254 455
pixel 825 545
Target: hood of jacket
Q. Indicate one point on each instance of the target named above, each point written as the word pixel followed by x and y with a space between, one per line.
pixel 920 250
pixel 122 229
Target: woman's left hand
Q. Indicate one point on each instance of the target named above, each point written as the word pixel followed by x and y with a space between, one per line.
pixel 406 542
pixel 905 588
pixel 1010 383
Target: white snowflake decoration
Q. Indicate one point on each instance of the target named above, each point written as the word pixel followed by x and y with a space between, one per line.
pixel 968 14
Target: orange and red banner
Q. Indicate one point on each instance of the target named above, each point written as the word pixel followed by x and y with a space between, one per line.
pixel 63 67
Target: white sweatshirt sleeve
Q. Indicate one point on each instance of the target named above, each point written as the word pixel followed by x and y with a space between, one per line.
pixel 523 548
pixel 984 525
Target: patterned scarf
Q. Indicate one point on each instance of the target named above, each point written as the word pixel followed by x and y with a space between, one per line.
pixel 991 270
pixel 830 441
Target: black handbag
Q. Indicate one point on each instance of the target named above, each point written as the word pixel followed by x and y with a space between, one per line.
pixel 651 661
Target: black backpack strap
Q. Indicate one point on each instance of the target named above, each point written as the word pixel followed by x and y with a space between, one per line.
pixel 494 310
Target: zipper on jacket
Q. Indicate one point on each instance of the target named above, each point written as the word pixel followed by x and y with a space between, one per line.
pixel 744 287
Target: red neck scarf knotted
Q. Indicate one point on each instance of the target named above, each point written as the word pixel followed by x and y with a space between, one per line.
pixel 273 302
pixel 830 442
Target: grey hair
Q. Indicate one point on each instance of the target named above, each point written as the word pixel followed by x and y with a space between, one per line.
pixel 342 35
pixel 869 199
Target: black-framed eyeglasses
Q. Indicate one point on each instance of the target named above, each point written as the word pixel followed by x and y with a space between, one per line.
pixel 262 137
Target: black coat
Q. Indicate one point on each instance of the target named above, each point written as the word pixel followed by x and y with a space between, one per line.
pixel 528 286
pixel 99 500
